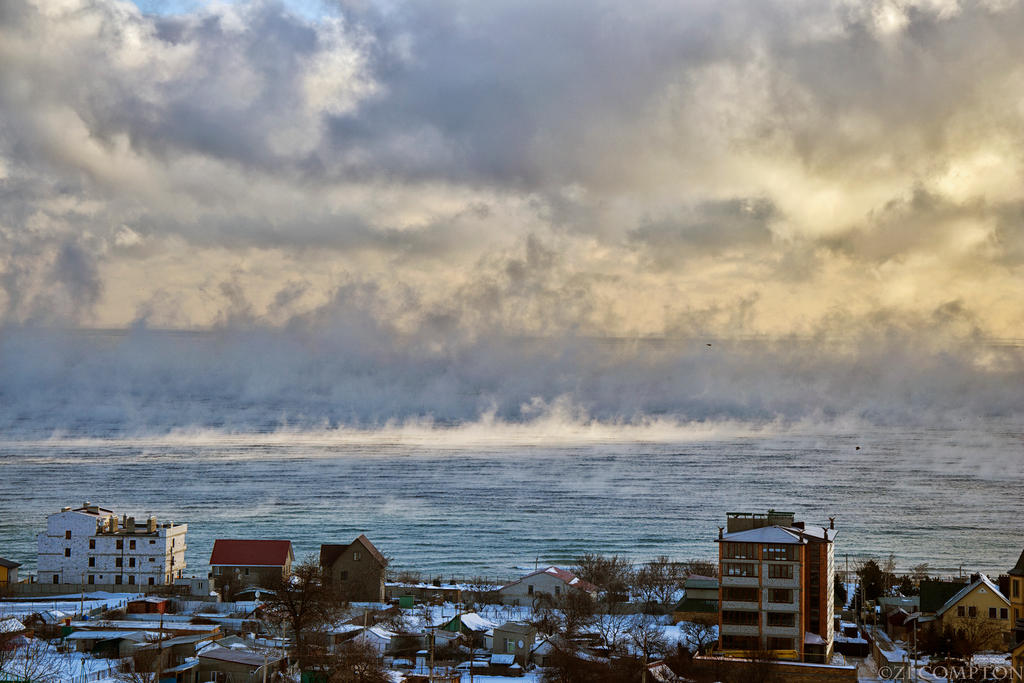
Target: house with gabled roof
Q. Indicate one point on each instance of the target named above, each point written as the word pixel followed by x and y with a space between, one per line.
pixel 251 562
pixel 979 607
pixel 1017 589
pixel 356 569
pixel 551 581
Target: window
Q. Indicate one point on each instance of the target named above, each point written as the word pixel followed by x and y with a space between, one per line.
pixel 992 612
pixel 343 575
pixel 739 593
pixel 120 544
pixel 740 643
pixel 783 595
pixel 118 579
pixel 247 571
pixel 780 571
pixel 131 580
pixel 173 542
pixel 739 618
pixel 92 544
pixel 67 552
pixel 118 561
pixel 151 581
pixel 131 561
pixel 92 578
pixel 510 646
pixel 785 619
pixel 153 559
pixel 972 611
pixel 780 644
pixel 558 591
pixel 56 578
pixel 780 552
pixel 740 551
pixel 738 569
pixel 131 544
pixel 961 611
pixel 92 561
pixel 356 555
pixel 67 534
pixel 1015 587
pixel 529 589
pixel 1004 613
pixel 152 542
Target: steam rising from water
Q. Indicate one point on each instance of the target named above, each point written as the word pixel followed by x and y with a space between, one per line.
pixel 349 384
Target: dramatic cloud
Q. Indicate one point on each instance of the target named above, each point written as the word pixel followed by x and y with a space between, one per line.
pixel 435 181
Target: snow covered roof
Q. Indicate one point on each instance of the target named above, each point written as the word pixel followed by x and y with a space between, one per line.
pixel 505 660
pixel 982 581
pixel 137 636
pixel 565 575
pixel 475 622
pixel 765 534
pixel 813 639
pixel 247 657
pixel 11 626
pixel 229 552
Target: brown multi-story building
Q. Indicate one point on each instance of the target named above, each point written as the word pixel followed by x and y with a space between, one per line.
pixel 776 593
pixel 356 569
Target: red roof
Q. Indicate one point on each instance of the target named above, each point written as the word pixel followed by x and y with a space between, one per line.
pixel 250 553
pixel 565 575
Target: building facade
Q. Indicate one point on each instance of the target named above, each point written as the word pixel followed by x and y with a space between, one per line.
pixel 90 545
pixel 251 562
pixel 776 587
pixel 552 581
pixel 8 572
pixel 1016 595
pixel 356 569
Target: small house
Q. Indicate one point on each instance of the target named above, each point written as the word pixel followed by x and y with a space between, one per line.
pixel 356 569
pixel 553 582
pixel 251 562
pixel 517 639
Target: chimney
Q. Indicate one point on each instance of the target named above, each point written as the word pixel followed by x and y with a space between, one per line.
pixel 130 525
pixel 151 525
pixel 113 524
pixel 831 522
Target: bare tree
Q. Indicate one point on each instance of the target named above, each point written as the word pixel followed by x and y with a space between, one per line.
pixel 612 573
pixel 613 629
pixel 355 661
pixel 702 633
pixel 578 609
pixel 701 567
pixel 144 666
pixel 303 602
pixel 647 638
pixel 658 581
pixel 971 636
pixel 31 659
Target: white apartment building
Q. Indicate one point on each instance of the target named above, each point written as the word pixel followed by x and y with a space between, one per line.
pixel 91 545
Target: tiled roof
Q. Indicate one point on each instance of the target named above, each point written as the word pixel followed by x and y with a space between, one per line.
pixel 250 553
pixel 565 575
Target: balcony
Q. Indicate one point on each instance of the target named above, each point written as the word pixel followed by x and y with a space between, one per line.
pixel 793 606
pixel 740 604
pixel 781 583
pixel 782 631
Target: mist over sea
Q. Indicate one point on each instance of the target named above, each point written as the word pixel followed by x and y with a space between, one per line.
pixel 480 459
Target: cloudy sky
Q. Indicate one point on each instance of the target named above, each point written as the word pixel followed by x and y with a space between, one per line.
pixel 460 170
